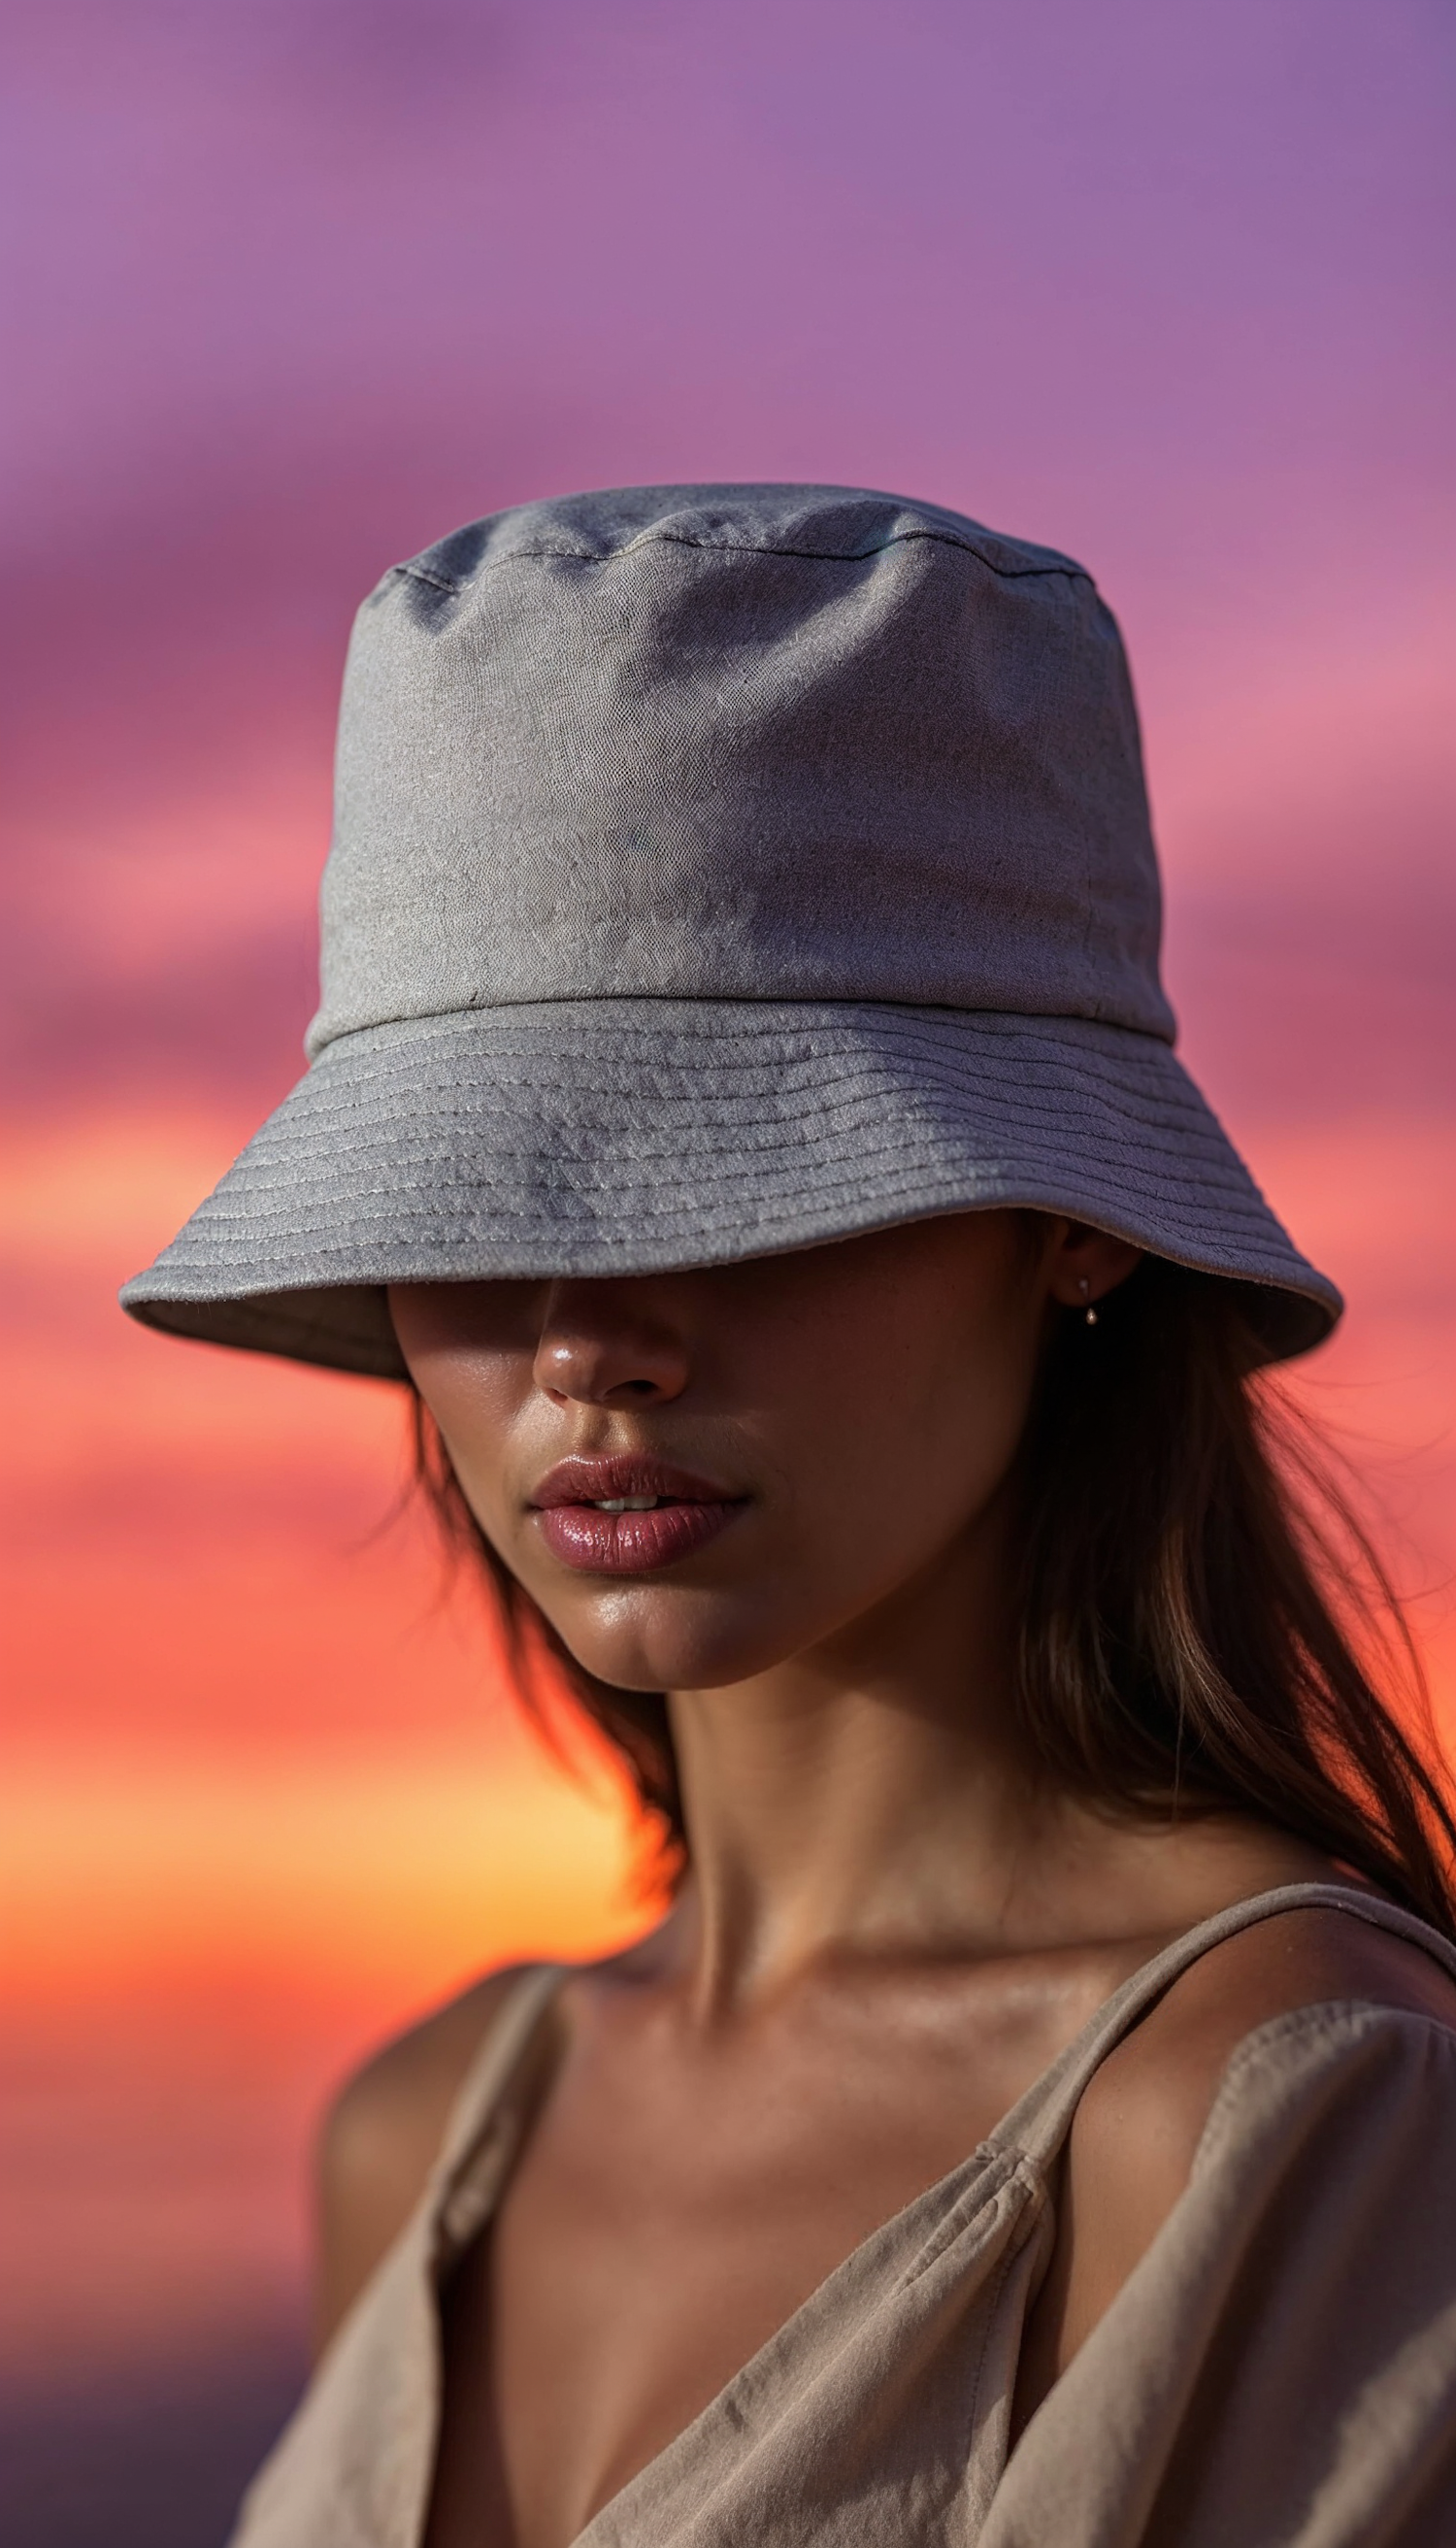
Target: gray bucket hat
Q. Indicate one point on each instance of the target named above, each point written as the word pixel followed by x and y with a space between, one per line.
pixel 718 870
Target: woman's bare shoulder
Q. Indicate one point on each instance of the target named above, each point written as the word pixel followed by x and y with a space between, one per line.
pixel 382 2128
pixel 382 2133
pixel 1136 2131
pixel 1159 2087
pixel 1138 2127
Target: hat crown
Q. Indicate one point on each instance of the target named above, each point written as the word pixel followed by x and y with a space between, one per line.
pixel 764 743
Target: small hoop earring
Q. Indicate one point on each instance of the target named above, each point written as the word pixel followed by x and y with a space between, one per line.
pixel 1084 1286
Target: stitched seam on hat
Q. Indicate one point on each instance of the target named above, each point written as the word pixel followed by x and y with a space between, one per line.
pixel 1187 1140
pixel 881 1165
pixel 738 548
pixel 897 1031
pixel 904 1016
pixel 755 1154
pixel 758 1144
pixel 817 1046
pixel 757 1147
pixel 819 1054
pixel 750 1174
pixel 862 1109
pixel 1182 1132
pixel 730 1186
pixel 1183 1116
pixel 457 1209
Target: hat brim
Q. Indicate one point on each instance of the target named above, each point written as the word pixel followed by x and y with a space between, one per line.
pixel 644 1135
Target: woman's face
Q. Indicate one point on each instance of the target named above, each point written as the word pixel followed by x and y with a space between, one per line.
pixel 698 1476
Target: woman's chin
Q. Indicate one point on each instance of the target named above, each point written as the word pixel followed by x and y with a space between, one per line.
pixel 641 1640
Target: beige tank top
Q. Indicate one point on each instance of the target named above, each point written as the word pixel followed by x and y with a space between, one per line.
pixel 1279 2371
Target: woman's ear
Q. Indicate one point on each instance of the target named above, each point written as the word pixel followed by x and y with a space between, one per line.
pixel 1085 1265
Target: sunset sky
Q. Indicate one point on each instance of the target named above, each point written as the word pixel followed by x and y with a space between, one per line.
pixel 307 283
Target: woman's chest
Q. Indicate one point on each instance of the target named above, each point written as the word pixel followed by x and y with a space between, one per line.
pixel 651 2244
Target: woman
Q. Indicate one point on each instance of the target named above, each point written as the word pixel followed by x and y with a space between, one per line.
pixel 743 1111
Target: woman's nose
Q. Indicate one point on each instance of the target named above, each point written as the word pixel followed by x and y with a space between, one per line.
pixel 600 1346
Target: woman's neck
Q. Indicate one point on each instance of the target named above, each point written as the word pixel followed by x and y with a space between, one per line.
pixel 869 1796
pixel 872 1798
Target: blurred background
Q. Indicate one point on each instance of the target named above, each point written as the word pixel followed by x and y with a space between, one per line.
pixel 296 286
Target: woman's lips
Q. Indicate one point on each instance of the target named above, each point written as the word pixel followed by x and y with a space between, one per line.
pixel 625 1515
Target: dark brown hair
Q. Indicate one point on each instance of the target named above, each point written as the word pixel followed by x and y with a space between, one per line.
pixel 1205 1625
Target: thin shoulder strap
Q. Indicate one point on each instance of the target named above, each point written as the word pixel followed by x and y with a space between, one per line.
pixel 1038 2124
pixel 485 2120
